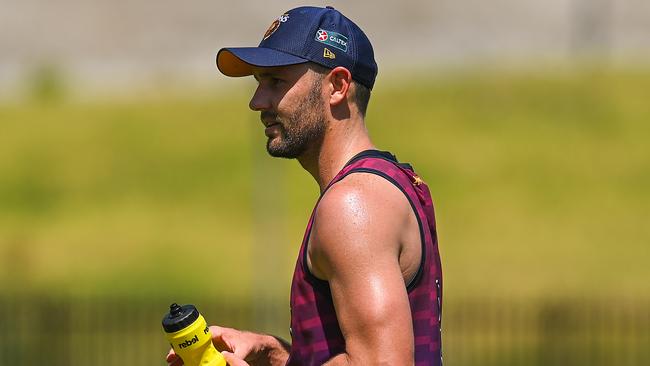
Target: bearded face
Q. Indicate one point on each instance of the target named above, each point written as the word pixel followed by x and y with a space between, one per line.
pixel 298 129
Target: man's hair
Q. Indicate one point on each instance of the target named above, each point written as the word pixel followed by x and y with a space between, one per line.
pixel 361 97
pixel 360 93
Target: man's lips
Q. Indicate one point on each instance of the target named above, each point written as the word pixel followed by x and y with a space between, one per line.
pixel 269 118
pixel 270 123
pixel 270 128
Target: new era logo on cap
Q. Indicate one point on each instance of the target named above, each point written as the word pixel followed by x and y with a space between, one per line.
pixel 306 34
pixel 328 54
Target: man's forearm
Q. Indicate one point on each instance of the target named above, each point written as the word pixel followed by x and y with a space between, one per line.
pixel 339 360
pixel 344 360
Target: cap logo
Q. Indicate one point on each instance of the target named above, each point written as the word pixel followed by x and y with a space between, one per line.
pixel 275 25
pixel 333 39
pixel 328 54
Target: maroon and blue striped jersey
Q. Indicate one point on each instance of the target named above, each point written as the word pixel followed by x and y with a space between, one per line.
pixel 315 332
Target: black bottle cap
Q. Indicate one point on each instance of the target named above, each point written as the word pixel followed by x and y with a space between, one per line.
pixel 179 317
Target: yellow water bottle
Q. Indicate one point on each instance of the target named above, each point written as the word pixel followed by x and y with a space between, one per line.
pixel 190 337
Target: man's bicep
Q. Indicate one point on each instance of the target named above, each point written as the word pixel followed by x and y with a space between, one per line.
pixel 374 315
pixel 357 254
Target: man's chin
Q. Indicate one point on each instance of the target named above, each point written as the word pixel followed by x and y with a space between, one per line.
pixel 280 151
pixel 281 154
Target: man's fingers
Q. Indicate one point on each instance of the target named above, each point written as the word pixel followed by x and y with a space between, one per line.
pixel 176 362
pixel 231 340
pixel 173 359
pixel 233 360
pixel 218 338
pixel 171 355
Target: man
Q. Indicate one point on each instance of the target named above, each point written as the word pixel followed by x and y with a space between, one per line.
pixel 367 288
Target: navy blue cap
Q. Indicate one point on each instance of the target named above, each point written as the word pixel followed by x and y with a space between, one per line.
pixel 304 34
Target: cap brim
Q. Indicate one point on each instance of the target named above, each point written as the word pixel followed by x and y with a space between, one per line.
pixel 240 61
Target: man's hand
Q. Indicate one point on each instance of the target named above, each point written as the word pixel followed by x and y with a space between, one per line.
pixel 230 358
pixel 173 359
pixel 244 345
pixel 233 360
pixel 243 348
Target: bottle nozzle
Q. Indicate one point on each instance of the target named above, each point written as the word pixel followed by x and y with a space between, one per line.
pixel 175 310
pixel 179 317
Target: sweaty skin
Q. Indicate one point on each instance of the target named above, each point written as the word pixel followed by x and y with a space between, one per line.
pixel 364 242
pixel 365 238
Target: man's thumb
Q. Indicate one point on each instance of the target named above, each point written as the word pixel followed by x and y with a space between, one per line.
pixel 233 360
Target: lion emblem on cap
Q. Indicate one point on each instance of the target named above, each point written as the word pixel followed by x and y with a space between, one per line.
pixel 275 25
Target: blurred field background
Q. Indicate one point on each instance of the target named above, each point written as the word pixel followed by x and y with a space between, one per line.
pixel 132 175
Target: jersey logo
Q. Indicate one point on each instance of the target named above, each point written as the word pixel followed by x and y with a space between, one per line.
pixel 328 54
pixel 417 180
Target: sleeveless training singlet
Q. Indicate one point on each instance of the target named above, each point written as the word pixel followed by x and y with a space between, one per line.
pixel 316 336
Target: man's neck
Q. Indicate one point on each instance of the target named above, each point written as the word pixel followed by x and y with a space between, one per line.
pixel 340 144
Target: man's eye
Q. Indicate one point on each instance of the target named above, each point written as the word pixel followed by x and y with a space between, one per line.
pixel 269 81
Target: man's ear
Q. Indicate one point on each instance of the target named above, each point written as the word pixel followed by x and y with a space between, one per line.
pixel 339 79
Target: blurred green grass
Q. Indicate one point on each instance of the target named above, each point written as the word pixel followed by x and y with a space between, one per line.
pixel 541 183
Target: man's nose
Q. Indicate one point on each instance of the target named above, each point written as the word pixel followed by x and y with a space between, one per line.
pixel 260 100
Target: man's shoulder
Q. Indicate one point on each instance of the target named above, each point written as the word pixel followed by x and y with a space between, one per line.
pixel 359 202
pixel 359 217
pixel 360 189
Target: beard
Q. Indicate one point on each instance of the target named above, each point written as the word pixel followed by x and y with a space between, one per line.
pixel 302 129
